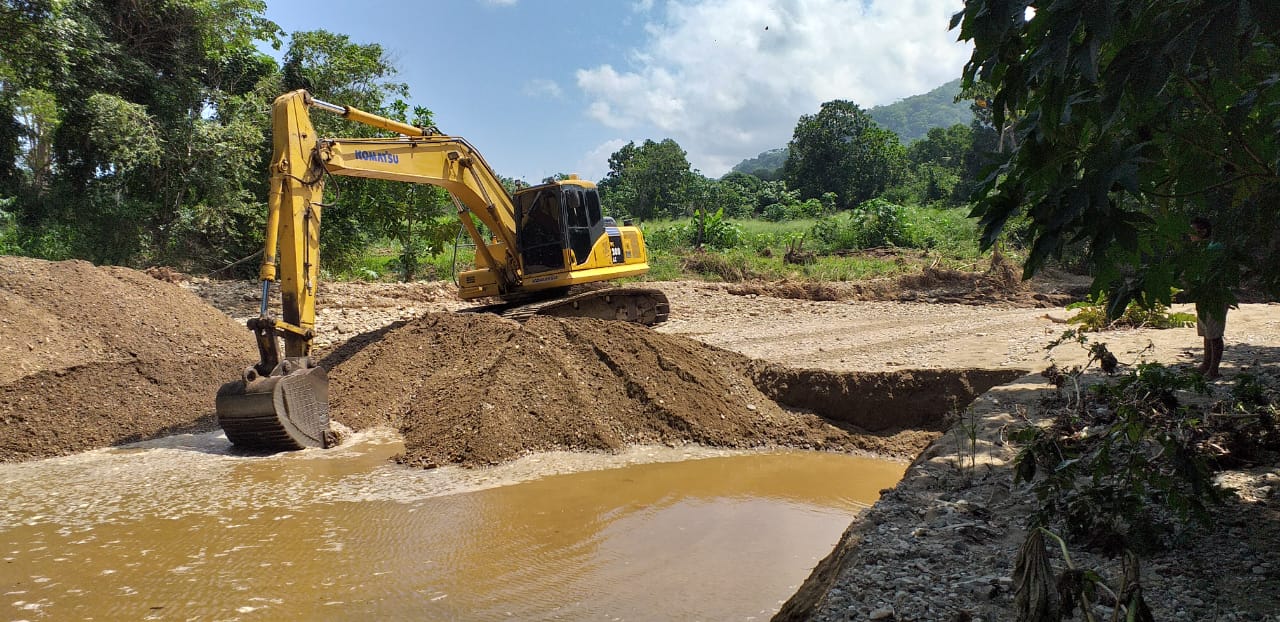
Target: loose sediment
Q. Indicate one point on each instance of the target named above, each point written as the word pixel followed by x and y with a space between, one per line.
pixel 476 389
pixel 96 356
pixel 101 356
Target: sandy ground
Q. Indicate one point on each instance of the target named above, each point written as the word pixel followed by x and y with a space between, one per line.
pixel 878 336
pixel 834 335
pixel 146 357
pixel 79 375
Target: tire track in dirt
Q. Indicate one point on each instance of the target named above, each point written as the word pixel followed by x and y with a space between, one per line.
pixel 862 336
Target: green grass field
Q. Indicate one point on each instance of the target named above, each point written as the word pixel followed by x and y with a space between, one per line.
pixel 944 237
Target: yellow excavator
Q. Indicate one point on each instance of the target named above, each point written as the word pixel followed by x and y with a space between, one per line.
pixel 540 242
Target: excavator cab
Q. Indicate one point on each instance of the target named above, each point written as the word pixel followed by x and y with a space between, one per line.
pixel 554 218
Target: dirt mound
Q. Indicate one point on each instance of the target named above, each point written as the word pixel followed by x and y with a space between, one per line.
pixel 794 290
pixel 102 355
pixel 477 389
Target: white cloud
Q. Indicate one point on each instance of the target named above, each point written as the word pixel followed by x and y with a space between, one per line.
pixel 540 88
pixel 595 163
pixel 728 79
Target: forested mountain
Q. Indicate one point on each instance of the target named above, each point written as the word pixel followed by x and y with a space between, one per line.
pixel 910 118
pixel 765 166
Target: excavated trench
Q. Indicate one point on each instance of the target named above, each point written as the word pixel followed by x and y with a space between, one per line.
pixel 880 402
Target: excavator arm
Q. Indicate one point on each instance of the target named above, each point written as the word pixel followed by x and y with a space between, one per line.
pixel 282 401
pixel 299 163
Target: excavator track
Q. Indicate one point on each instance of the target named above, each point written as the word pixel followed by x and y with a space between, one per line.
pixel 630 304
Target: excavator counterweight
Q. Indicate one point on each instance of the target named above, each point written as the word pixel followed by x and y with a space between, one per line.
pixel 542 241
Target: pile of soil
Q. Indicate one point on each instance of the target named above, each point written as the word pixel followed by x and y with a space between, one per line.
pixel 95 356
pixel 475 389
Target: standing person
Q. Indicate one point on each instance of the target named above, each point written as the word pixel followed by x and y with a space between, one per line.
pixel 1210 287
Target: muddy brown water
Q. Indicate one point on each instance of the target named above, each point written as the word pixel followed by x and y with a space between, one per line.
pixel 179 529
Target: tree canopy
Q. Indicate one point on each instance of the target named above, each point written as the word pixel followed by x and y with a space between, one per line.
pixel 137 133
pixel 842 150
pixel 649 180
pixel 1128 117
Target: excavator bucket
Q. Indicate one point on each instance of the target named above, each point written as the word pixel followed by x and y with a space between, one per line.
pixel 277 412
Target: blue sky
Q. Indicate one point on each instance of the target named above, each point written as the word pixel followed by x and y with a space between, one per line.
pixel 543 87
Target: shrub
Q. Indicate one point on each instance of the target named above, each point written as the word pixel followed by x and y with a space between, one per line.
pixel 1092 316
pixel 874 223
pixel 1121 470
pixel 705 229
pixel 8 229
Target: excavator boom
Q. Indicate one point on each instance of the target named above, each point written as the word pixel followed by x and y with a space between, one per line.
pixel 541 241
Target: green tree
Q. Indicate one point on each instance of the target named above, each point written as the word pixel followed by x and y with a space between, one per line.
pixel 335 69
pixel 410 213
pixel 936 164
pixel 36 120
pixel 511 184
pixel 115 106
pixel 647 181
pixel 1134 114
pixel 741 192
pixel 842 150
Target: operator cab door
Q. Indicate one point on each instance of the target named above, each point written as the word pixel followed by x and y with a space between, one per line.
pixel 585 222
pixel 541 231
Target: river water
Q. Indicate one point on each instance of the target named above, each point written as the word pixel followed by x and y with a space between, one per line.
pixel 185 529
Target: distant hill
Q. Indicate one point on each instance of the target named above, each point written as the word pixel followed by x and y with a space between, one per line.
pixel 767 165
pixel 910 118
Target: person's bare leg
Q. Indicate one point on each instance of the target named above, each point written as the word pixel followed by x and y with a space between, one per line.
pixel 1208 356
pixel 1216 348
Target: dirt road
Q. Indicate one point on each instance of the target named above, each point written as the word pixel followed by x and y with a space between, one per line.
pixel 839 335
pixel 880 336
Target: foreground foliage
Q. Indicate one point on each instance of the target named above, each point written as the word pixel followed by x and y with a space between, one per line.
pixel 1125 117
pixel 1125 467
pixel 1121 463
